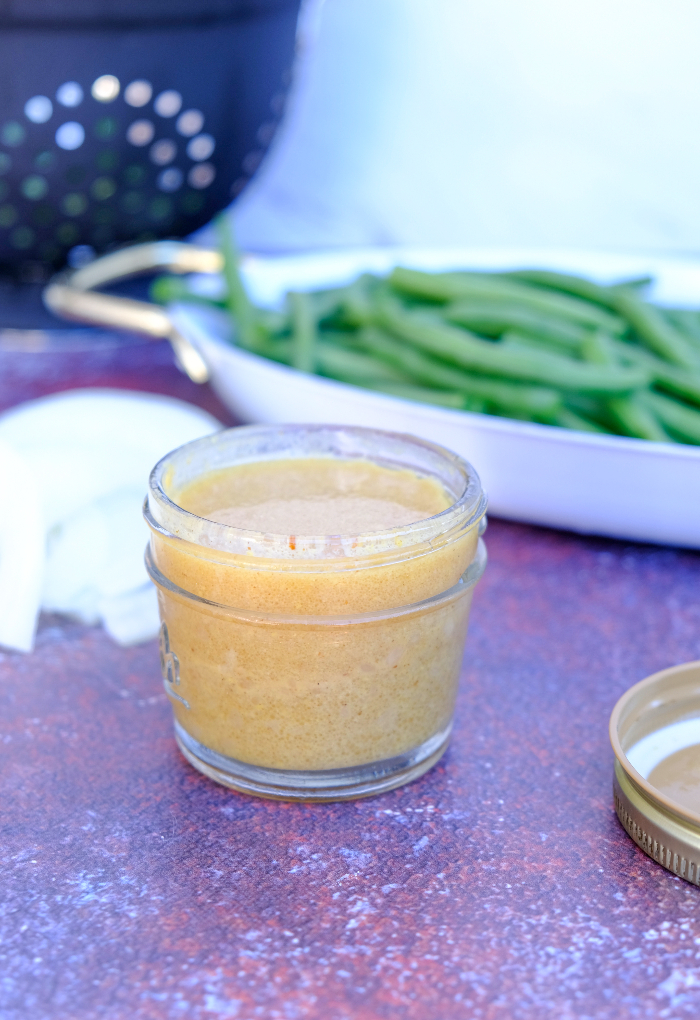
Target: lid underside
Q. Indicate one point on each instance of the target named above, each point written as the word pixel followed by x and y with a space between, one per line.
pixel 655 734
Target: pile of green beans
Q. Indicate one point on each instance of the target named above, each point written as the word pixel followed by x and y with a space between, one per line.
pixel 533 345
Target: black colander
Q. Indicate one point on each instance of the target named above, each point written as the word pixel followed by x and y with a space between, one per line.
pixel 131 120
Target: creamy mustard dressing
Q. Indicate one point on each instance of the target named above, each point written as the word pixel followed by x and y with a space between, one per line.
pixel 305 695
pixel 314 496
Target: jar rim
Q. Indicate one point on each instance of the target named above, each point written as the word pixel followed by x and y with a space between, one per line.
pixel 255 443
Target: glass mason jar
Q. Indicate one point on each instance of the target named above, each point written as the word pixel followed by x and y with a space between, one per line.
pixel 313 667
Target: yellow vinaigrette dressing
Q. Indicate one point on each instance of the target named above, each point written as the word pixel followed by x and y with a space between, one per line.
pixel 288 598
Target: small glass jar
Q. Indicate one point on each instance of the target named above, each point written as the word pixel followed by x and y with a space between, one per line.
pixel 313 667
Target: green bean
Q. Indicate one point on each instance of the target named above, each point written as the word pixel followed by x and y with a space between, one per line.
pixel 272 322
pixel 364 335
pixel 687 321
pixel 338 363
pixel 426 395
pixel 303 331
pixel 635 420
pixel 680 419
pixel 356 301
pixel 349 366
pixel 166 290
pixel 577 286
pixel 632 417
pixel 493 318
pixel 592 409
pixel 568 419
pixel 469 351
pixel 458 286
pixel 625 414
pixel 326 302
pixel 275 349
pixel 597 350
pixel 656 333
pixel 239 304
pixel 529 342
pixel 667 377
pixel 523 399
pixel 356 367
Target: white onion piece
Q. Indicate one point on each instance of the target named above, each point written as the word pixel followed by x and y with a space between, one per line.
pixel 85 444
pixel 87 455
pixel 21 551
pixel 95 553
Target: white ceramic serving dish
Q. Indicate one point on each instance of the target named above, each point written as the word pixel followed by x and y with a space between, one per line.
pixel 606 485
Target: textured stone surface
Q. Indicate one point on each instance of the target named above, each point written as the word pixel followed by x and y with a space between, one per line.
pixel 500 885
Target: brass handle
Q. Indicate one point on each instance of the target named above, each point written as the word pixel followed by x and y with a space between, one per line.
pixel 72 295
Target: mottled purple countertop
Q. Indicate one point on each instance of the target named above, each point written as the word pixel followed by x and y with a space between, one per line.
pixel 500 885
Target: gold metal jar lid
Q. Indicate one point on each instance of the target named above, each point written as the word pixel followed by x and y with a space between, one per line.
pixel 655 734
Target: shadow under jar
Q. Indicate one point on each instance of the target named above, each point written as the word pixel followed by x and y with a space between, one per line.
pixel 313 667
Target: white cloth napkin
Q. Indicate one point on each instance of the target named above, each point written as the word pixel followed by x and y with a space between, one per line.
pixel 73 476
pixel 463 123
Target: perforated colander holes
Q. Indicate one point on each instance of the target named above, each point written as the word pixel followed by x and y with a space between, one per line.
pixel 83 202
